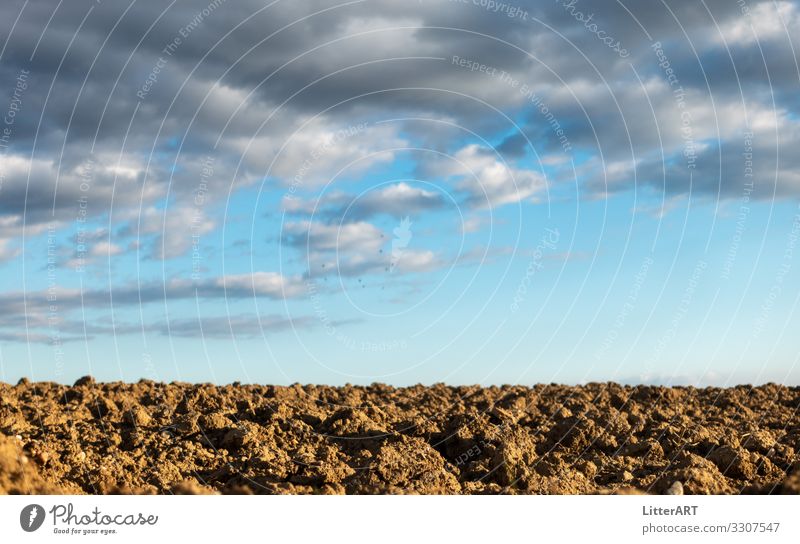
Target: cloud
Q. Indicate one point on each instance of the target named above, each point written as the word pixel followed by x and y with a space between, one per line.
pixel 318 237
pixel 239 326
pixel 262 284
pixel 8 253
pixel 39 192
pixel 34 304
pixel 395 200
pixel 324 71
pixel 228 327
pixel 407 261
pixel 321 152
pixel 177 229
pixel 474 223
pixel 486 180
pixel 25 315
pixel 764 22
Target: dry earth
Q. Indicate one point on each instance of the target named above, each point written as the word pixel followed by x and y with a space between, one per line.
pixel 150 437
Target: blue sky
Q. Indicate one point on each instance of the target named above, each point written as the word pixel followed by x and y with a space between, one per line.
pixel 438 192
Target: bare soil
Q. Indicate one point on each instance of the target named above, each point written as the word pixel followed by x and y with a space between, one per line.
pixel 159 438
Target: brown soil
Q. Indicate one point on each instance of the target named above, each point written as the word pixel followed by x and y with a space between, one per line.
pixel 599 438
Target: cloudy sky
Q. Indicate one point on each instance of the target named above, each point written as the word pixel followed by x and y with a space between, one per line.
pixel 444 190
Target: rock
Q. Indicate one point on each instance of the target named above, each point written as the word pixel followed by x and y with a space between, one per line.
pixel 675 489
pixel 85 380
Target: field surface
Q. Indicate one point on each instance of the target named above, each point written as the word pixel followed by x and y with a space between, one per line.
pixel 149 437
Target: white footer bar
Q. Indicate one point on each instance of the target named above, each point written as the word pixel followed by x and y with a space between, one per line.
pixel 350 520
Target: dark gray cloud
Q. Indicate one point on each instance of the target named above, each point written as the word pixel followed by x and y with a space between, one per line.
pixel 242 326
pixel 95 65
pixel 239 326
pixel 269 285
pixel 57 311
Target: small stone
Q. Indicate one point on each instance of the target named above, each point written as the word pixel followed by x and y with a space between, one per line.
pixel 675 489
pixel 85 380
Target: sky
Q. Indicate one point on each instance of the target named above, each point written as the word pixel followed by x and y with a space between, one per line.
pixel 458 191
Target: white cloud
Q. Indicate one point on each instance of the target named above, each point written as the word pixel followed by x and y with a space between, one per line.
pixel 268 284
pixel 7 253
pixel 176 229
pixel 359 237
pixel 487 181
pixel 765 22
pixel 48 192
pixel 105 249
pixel 397 200
pixel 319 150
